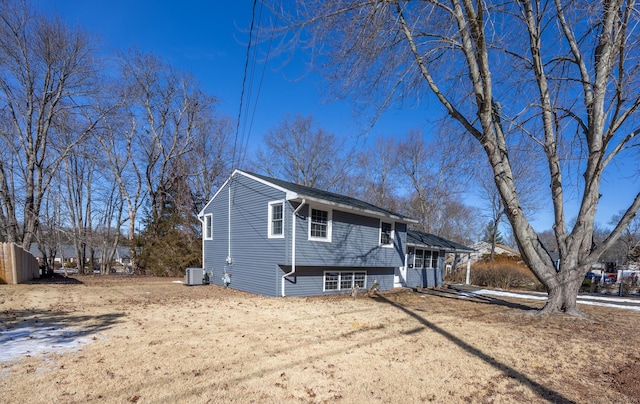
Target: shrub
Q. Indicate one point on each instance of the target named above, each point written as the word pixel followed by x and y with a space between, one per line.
pixel 505 273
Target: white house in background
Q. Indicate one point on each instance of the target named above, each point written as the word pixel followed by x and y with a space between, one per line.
pixel 482 249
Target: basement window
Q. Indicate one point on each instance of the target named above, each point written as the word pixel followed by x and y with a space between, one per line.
pixel 344 280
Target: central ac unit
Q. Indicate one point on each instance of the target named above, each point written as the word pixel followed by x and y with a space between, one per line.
pixel 194 276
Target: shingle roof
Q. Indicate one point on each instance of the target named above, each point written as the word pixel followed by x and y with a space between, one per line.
pixel 431 240
pixel 330 197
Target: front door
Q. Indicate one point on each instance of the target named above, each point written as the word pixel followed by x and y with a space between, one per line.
pixel 400 276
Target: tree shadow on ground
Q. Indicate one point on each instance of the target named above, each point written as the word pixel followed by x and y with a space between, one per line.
pixel 453 292
pixel 544 392
pixel 55 279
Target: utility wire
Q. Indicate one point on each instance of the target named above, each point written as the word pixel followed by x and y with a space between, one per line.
pixel 264 68
pixel 244 79
pixel 244 137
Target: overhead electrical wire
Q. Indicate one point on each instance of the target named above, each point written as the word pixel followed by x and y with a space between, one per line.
pixel 264 68
pixel 247 88
pixel 244 137
pixel 244 80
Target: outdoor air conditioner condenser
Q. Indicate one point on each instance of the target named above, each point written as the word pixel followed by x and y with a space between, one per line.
pixel 194 276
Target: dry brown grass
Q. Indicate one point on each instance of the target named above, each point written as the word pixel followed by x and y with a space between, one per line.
pixel 154 341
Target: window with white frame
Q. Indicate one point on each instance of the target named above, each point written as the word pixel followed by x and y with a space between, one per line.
pixel 344 280
pixel 424 258
pixel 386 233
pixel 208 227
pixel 434 259
pixel 276 219
pixel 418 259
pixel 319 224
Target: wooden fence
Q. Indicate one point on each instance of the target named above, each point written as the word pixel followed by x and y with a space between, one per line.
pixel 17 265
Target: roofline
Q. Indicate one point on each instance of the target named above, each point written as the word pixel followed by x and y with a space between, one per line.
pixel 294 196
pixel 289 193
pixel 469 250
pixel 366 212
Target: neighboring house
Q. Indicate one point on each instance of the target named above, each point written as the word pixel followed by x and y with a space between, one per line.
pixel 484 249
pixel 67 253
pixel 277 238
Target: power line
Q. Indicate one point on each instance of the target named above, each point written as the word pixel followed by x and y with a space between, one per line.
pixel 264 68
pixel 244 79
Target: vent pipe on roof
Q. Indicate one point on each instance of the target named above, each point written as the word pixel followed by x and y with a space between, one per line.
pixel 293 244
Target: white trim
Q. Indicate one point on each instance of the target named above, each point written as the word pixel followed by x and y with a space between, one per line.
pixel 270 218
pixel 329 223
pixel 350 208
pixel 216 194
pixel 412 264
pixel 292 195
pixel 207 227
pixel 392 236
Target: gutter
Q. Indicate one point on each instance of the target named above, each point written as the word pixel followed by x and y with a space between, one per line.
pixel 293 244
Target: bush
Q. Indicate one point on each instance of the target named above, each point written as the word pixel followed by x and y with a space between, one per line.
pixel 505 273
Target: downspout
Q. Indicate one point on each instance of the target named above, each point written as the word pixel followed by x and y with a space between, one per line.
pixel 293 244
pixel 229 259
pixel 202 223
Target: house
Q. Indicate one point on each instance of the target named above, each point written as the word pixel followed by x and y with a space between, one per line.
pixel 483 249
pixel 65 255
pixel 277 238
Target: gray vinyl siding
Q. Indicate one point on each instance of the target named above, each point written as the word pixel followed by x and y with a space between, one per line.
pixel 259 261
pixel 426 277
pixel 255 256
pixel 355 242
pixel 309 281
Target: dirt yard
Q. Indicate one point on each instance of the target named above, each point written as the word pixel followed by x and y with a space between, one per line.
pixel 149 340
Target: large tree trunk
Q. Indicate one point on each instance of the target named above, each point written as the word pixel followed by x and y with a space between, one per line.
pixel 563 293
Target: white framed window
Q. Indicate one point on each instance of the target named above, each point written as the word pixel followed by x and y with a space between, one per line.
pixel 344 280
pixel 418 259
pixel 320 222
pixel 387 234
pixel 424 259
pixel 208 227
pixel 434 259
pixel 276 219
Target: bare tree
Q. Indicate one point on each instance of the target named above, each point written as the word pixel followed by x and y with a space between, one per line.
pixel 211 156
pixel 299 151
pixel 166 120
pixel 568 83
pixel 432 172
pixel 623 250
pixel 378 176
pixel 47 73
pixel 527 178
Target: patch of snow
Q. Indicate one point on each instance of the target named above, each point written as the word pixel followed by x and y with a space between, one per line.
pixel 176 281
pixel 28 341
pixel 602 301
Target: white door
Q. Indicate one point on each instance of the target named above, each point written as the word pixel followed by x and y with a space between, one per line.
pixel 400 276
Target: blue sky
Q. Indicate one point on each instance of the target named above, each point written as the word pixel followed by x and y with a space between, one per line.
pixel 209 39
